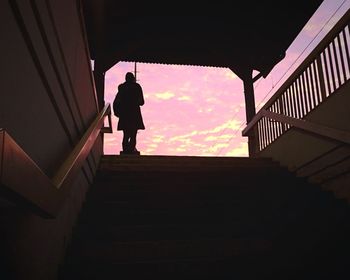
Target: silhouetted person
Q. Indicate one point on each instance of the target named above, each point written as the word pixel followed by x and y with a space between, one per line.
pixel 126 107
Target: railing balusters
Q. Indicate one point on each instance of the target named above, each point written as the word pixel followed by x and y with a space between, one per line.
pixel 313 84
pixel 335 58
pixel 272 123
pixel 346 50
pixel 297 104
pixel 267 139
pixel 319 76
pixel 327 80
pixel 280 125
pixel 265 132
pixel 316 83
pixel 309 87
pixel 283 110
pixel 263 137
pixel 290 100
pixel 302 97
pixel 342 63
pixel 269 130
pixel 331 64
pixel 296 90
pixel 277 130
pixel 321 79
pixel 305 93
pixel 286 103
pixel 290 104
pixel 341 58
pixel 295 115
pixel 259 135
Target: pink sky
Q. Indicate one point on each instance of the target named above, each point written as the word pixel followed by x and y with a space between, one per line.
pixel 200 111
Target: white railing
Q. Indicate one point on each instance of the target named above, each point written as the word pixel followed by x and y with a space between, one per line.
pixel 322 73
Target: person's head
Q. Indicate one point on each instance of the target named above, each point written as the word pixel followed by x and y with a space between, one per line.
pixel 129 77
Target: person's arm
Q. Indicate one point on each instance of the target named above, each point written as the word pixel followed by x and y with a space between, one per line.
pixel 117 102
pixel 141 99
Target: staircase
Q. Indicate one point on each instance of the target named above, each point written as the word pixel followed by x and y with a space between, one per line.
pixel 168 217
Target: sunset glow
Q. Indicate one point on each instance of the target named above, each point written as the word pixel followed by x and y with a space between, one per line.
pixel 194 110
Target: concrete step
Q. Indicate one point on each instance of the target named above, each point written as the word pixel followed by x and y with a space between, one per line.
pixel 160 250
pixel 203 218
pixel 86 233
pixel 240 259
pixel 214 179
pixel 161 188
pixel 186 269
pixel 198 160
pixel 183 167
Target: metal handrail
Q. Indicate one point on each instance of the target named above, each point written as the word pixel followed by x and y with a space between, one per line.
pixel 338 135
pixel 22 181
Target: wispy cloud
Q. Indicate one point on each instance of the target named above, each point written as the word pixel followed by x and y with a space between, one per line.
pixel 184 98
pixel 215 138
pixel 230 124
pixel 216 148
pixel 230 75
pixel 158 138
pixel 164 95
pixel 241 150
pixel 183 137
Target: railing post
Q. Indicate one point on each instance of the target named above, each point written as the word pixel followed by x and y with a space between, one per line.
pixel 250 112
pixel 280 110
pixel 99 76
pixel 321 77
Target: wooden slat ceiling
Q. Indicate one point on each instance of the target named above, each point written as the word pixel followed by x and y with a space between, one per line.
pixel 242 35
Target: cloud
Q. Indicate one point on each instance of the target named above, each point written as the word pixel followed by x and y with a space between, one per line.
pixel 240 151
pixel 183 137
pixel 210 133
pixel 212 100
pixel 184 98
pixel 165 95
pixel 217 148
pixel 230 124
pixel 230 75
pixel 186 86
pixel 149 151
pixel 205 110
pixel 212 138
pixel 157 138
pixel 152 145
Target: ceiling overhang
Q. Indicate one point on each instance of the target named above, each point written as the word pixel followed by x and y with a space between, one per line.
pixel 250 36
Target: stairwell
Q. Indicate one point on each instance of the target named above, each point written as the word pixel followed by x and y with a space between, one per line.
pixel 169 217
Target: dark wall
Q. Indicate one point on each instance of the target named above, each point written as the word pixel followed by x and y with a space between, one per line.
pixel 47 97
pixel 47 101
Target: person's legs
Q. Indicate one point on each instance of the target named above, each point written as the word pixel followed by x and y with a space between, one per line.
pixel 132 142
pixel 129 140
pixel 125 143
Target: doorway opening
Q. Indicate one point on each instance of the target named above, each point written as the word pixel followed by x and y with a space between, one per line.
pixel 188 110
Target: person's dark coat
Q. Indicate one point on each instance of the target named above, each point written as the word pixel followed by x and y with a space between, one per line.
pixel 130 98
